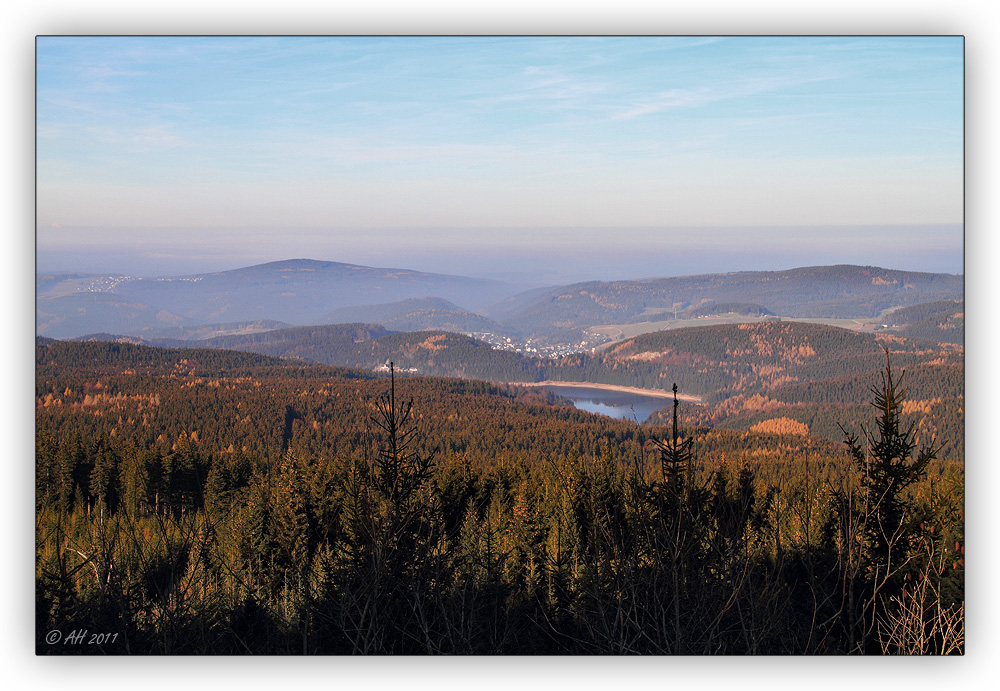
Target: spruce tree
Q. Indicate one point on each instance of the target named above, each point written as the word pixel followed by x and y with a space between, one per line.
pixel 676 524
pixel 888 467
pixel 886 524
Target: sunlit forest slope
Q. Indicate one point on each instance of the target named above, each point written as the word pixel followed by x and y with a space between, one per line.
pixel 224 502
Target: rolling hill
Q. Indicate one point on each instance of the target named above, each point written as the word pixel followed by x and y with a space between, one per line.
pixel 942 321
pixel 368 346
pixel 308 292
pixel 336 344
pixel 778 377
pixel 299 291
pixel 776 359
pixel 416 314
pixel 69 316
pixel 820 291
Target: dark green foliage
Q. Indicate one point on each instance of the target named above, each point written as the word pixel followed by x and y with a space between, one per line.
pixel 942 321
pixel 416 314
pixel 675 460
pixel 875 524
pixel 332 345
pixel 820 372
pixel 722 361
pixel 888 466
pixel 363 345
pixel 281 509
pixel 942 418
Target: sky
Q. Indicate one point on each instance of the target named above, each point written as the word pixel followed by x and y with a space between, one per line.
pixel 546 159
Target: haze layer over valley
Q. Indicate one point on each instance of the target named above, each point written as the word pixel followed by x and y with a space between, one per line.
pixel 308 292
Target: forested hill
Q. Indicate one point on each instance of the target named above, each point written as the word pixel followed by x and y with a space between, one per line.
pixel 416 314
pixel 797 378
pixel 942 321
pixel 299 291
pixel 782 377
pixel 303 292
pixel 136 392
pixel 715 362
pixel 198 501
pixel 335 344
pixel 820 292
pixel 90 358
pixel 720 361
pixel 368 346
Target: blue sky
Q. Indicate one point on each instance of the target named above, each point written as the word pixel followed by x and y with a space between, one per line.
pixel 626 155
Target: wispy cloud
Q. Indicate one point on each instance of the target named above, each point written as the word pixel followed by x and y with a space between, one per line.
pixel 696 97
pixel 565 129
pixel 351 151
pixel 669 100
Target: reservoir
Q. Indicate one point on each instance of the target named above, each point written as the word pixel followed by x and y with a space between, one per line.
pixel 617 404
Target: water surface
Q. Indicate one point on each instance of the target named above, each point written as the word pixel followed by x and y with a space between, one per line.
pixel 617 404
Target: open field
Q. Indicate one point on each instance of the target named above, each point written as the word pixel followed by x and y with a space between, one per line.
pixel 866 324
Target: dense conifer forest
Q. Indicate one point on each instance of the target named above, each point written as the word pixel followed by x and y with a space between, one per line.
pixel 218 502
pixel 943 321
pixel 746 374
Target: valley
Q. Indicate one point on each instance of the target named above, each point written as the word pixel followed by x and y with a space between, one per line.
pixel 539 450
pixel 744 348
pixel 612 387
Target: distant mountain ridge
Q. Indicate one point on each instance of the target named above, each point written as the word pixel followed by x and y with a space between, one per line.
pixel 818 292
pixel 301 291
pixel 309 292
pixel 297 291
pixel 416 314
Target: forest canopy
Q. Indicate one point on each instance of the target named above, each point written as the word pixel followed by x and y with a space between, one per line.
pixel 209 501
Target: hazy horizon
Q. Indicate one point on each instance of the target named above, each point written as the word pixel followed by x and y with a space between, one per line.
pixel 569 255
